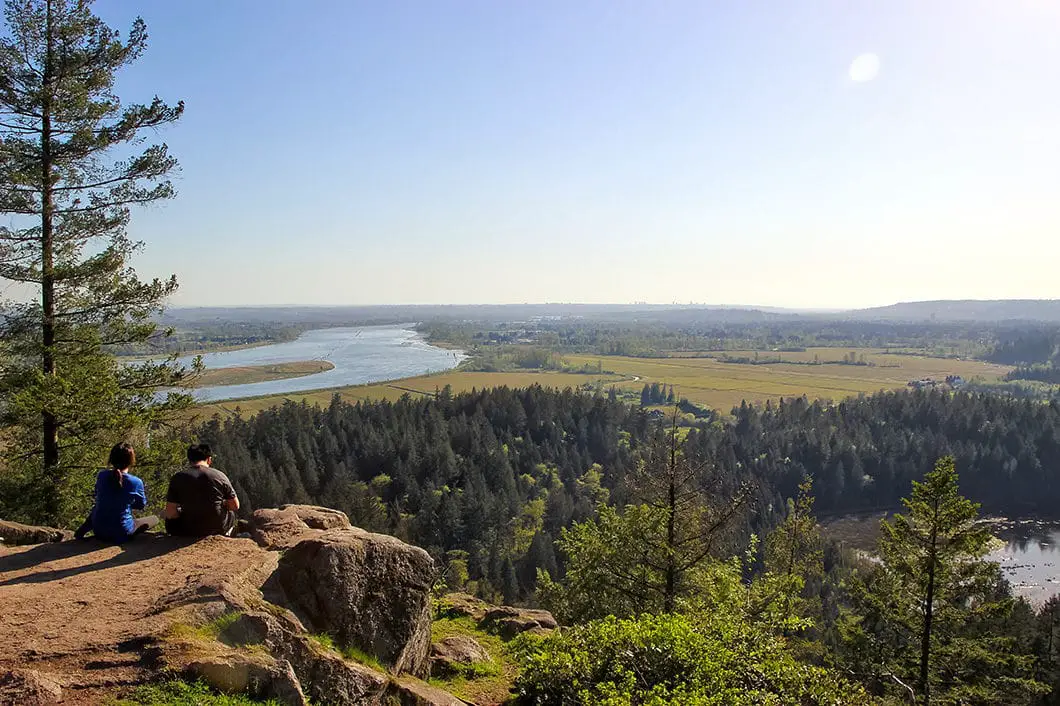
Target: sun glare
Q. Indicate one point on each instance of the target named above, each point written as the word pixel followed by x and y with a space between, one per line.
pixel 864 68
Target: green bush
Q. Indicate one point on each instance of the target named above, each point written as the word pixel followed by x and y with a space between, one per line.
pixel 674 660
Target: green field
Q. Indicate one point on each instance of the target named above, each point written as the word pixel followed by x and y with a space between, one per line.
pixel 243 375
pixel 706 381
pixel 721 385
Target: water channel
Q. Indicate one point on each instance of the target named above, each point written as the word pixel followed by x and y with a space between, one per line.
pixel 360 355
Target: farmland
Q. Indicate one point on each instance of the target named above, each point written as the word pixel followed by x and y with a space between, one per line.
pixel 722 385
pixel 704 380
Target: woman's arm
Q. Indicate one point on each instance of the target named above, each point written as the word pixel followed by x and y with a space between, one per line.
pixel 139 497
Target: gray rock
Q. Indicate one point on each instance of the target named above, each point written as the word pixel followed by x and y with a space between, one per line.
pixel 508 622
pixel 317 517
pixel 370 591
pixel 448 655
pixel 255 675
pixel 290 524
pixel 28 687
pixel 325 675
pixel 457 605
pixel 15 533
pixel 406 691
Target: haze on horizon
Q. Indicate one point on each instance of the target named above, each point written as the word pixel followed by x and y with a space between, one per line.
pixel 829 154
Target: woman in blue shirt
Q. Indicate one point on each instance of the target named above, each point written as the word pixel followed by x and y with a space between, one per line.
pixel 118 493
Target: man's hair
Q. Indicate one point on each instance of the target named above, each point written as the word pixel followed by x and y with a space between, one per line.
pixel 198 453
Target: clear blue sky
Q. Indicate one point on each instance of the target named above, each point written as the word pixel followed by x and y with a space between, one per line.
pixel 339 152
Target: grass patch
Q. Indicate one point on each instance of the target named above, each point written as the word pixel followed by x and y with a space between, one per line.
pixel 478 683
pixel 179 693
pixel 354 654
pixel 210 632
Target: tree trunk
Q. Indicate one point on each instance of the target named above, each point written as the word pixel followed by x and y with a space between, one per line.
pixel 929 604
pixel 49 424
pixel 671 525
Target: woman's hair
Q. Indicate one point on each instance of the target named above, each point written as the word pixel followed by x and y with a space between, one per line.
pixel 122 457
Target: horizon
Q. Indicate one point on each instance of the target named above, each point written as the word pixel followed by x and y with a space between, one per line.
pixel 818 156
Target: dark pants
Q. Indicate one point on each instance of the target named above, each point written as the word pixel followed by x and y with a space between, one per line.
pixel 140 526
pixel 179 528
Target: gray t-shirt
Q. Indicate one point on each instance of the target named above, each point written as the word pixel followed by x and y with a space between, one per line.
pixel 200 491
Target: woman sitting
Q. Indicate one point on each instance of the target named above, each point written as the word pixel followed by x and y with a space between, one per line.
pixel 118 493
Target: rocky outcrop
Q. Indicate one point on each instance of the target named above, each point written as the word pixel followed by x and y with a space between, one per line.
pixel 369 591
pixel 235 613
pixel 16 533
pixel 29 687
pixel 508 622
pixel 450 655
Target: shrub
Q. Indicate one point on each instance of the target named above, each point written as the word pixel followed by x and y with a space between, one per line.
pixel 674 659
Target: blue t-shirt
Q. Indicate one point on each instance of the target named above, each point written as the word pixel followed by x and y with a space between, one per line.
pixel 112 517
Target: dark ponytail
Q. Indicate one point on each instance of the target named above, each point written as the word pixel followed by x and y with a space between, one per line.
pixel 122 457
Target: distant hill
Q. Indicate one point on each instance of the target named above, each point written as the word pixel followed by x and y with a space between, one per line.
pixel 982 310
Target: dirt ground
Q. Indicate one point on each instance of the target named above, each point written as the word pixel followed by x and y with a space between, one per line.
pixel 80 611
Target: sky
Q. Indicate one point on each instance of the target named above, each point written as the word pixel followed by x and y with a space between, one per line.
pixel 798 153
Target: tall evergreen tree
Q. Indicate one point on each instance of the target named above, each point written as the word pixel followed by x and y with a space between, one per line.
pixel 648 555
pixel 920 610
pixel 69 173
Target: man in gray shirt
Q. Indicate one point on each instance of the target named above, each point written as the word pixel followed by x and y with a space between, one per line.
pixel 200 500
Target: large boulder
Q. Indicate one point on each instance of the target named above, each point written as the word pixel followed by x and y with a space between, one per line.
pixel 369 591
pixel 15 533
pixel 286 526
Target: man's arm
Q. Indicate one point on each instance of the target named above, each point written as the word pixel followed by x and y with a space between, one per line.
pixel 231 502
pixel 171 512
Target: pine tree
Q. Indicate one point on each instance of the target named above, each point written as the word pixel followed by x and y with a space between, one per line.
pixel 648 555
pixel 68 178
pixel 920 610
pixel 794 555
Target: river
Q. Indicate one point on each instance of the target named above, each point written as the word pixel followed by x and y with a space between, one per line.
pixel 360 355
pixel 1029 558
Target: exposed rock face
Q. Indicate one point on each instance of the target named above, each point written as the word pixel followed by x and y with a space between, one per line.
pixel 28 687
pixel 326 677
pixel 371 591
pixel 16 533
pixel 448 655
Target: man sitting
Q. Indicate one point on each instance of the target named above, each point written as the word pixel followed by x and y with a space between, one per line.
pixel 200 500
